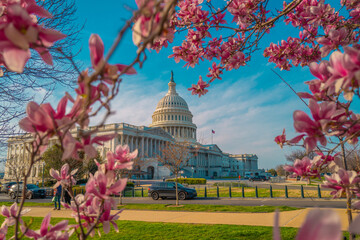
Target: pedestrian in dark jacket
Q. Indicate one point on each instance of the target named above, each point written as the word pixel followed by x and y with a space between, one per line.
pixel 67 196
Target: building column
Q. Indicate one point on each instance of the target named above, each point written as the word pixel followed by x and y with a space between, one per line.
pixel 142 146
pixel 132 144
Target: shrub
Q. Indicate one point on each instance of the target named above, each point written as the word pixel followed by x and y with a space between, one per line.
pixel 189 180
pixel 50 183
pixel 130 184
pixel 78 189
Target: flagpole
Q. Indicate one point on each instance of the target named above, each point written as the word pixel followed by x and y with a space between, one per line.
pixel 212 134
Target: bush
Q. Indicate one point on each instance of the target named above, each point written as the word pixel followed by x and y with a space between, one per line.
pixel 189 180
pixel 50 183
pixel 130 184
pixel 78 190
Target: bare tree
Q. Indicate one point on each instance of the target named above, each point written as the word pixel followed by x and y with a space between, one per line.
pixel 280 170
pixel 38 78
pixel 16 170
pixel 175 156
pixel 299 154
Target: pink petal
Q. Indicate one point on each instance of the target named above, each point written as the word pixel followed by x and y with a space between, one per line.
pixel 45 55
pixel 13 209
pixel 64 171
pixel 321 225
pixel 49 36
pixel 5 211
pixel 106 227
pixel 61 108
pixel 122 67
pixel 16 37
pixel 26 125
pixel 15 59
pixel 90 151
pixel 296 139
pixel 118 186
pixel 55 174
pixel 39 11
pixel 60 226
pixel 96 46
pixel 45 225
pixel 99 139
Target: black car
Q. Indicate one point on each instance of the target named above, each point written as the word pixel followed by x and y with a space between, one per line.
pixel 258 178
pixel 32 191
pixel 167 190
pixel 6 187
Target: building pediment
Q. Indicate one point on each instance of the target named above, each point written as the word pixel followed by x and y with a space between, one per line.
pixel 159 131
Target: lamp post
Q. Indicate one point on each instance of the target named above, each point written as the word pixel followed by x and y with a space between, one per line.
pixel 192 175
pixel 43 170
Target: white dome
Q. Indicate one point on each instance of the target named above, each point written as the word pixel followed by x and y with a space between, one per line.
pixel 173 115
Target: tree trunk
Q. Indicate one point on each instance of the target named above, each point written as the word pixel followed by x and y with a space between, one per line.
pixel 120 198
pixel 176 190
pixel 18 191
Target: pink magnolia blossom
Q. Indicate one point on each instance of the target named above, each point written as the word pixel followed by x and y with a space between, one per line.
pixel 281 139
pixel 102 185
pixel 199 88
pixel 11 214
pixel 323 114
pixel 87 143
pixel 20 31
pixel 303 168
pixel 340 181
pixel 47 231
pixel 110 72
pixel 64 178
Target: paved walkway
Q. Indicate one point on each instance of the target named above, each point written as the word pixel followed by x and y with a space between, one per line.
pixel 287 219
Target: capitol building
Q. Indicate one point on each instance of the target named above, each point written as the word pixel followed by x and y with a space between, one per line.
pixel 172 122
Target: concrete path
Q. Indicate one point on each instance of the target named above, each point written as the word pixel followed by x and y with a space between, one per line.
pixel 287 219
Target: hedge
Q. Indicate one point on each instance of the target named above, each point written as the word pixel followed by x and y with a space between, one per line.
pixel 81 189
pixel 189 180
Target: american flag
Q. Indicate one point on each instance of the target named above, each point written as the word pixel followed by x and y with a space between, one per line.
pixel 212 131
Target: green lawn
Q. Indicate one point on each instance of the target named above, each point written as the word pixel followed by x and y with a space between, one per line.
pixel 30 204
pixel 187 207
pixel 206 208
pixel 146 230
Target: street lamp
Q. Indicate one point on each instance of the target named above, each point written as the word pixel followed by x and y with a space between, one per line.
pixel 192 175
pixel 43 170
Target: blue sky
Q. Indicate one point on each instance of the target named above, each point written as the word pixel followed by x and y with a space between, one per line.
pixel 247 109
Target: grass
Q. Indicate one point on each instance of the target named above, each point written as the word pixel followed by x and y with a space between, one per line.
pixel 187 207
pixel 129 230
pixel 30 204
pixel 236 191
pixel 148 230
pixel 249 192
pixel 207 208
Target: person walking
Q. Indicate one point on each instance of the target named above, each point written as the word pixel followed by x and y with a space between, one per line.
pixel 57 196
pixel 67 196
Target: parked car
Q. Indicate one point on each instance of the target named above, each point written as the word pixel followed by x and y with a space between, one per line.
pixel 32 191
pixel 6 186
pixel 167 190
pixel 258 178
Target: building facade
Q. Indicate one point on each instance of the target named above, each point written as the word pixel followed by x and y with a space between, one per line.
pixel 171 123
